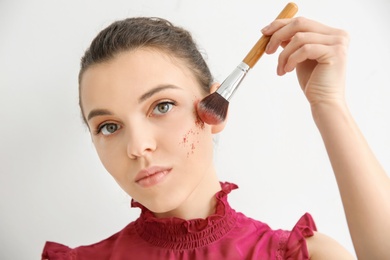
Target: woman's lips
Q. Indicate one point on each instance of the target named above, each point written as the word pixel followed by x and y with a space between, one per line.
pixel 151 176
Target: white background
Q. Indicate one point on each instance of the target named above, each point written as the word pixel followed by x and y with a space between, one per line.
pixel 52 185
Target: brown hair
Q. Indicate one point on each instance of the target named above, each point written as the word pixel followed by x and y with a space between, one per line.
pixel 146 32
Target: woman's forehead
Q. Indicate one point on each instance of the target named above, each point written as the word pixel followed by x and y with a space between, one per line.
pixel 134 73
pixel 145 64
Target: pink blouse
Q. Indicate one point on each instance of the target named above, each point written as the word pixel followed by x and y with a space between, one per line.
pixel 226 234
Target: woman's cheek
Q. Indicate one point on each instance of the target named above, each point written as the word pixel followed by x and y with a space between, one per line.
pixel 189 141
pixel 191 138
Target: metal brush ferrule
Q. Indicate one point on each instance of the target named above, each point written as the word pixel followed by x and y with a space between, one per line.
pixel 231 83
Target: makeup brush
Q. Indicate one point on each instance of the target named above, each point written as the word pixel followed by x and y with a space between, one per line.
pixel 213 108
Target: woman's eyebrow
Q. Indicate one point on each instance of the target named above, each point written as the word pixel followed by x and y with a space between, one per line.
pixel 155 90
pixel 146 95
pixel 98 112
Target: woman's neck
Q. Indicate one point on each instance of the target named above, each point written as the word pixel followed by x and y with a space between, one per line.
pixel 200 203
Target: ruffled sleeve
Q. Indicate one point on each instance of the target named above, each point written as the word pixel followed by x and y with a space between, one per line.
pixel 55 251
pixel 296 244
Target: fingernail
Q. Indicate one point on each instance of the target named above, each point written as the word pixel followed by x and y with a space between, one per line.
pixel 279 70
pixel 265 29
pixel 267 48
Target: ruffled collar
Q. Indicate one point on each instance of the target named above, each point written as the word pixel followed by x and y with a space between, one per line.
pixel 176 233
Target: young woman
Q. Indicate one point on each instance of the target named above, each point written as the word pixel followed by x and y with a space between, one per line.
pixel 139 85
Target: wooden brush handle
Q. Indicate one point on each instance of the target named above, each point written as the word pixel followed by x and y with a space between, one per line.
pixel 257 51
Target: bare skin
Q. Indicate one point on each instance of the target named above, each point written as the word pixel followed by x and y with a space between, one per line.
pixel 140 108
pixel 318 53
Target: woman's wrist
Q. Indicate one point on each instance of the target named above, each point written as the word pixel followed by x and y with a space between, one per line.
pixel 329 112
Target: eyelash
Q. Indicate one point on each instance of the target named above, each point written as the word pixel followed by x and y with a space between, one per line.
pixel 100 127
pixel 166 102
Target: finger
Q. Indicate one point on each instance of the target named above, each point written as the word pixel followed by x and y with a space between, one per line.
pixel 306 52
pixel 333 55
pixel 318 52
pixel 284 29
pixel 302 38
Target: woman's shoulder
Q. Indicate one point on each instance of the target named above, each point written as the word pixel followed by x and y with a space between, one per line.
pixel 293 243
pixel 100 250
pixel 268 243
pixel 320 246
pixel 304 242
pixel 53 250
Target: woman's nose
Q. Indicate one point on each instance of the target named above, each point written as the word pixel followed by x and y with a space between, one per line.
pixel 141 141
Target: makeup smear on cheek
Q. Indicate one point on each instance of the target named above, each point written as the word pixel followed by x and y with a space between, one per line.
pixel 190 139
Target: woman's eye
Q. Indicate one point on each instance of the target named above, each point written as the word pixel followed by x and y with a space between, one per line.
pixel 108 129
pixel 162 108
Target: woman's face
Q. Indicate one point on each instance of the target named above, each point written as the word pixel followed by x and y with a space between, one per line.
pixel 140 108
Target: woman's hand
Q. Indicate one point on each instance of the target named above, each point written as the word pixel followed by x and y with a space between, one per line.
pixel 316 51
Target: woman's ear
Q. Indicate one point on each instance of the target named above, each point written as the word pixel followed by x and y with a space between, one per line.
pixel 219 127
pixel 214 87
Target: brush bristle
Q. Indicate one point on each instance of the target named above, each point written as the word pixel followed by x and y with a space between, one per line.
pixel 213 109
